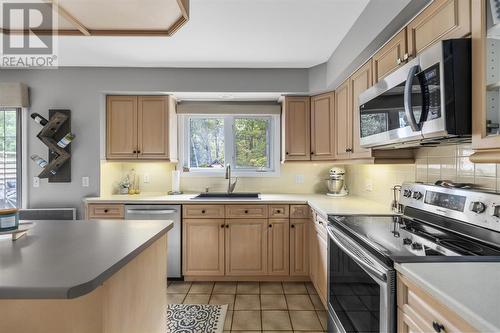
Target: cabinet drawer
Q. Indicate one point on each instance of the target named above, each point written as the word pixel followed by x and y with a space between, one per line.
pixel 300 211
pixel 422 308
pixel 246 211
pixel 203 211
pixel 105 211
pixel 279 211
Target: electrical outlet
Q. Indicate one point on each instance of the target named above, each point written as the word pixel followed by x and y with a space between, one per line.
pixel 146 179
pixel 369 185
pixel 299 179
pixel 85 181
pixel 36 182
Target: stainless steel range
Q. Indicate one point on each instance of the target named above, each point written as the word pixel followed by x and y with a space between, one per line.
pixel 438 224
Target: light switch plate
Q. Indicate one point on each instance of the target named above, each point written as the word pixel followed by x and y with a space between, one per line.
pixel 36 182
pixel 146 179
pixel 85 181
pixel 369 186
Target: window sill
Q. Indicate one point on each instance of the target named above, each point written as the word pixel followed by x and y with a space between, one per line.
pixel 222 174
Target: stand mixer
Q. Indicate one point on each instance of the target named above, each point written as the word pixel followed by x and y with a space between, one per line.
pixel 336 182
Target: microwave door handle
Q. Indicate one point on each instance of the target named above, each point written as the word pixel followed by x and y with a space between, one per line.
pixel 381 276
pixel 409 99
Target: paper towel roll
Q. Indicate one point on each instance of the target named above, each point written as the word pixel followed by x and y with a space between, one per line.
pixel 176 181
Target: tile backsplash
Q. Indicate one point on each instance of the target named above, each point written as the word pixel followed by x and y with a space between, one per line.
pixel 373 182
pixel 452 163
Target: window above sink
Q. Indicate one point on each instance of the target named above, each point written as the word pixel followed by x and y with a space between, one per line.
pixel 249 143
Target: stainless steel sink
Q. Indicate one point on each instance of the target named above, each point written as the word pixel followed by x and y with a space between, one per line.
pixel 225 195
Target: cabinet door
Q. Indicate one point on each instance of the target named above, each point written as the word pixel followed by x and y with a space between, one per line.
pixel 390 56
pixel 278 244
pixel 121 127
pixel 407 324
pixel 313 255
pixel 442 19
pixel 296 119
pixel 343 115
pixel 321 269
pixel 360 81
pixel 246 247
pixel 203 247
pixel 153 127
pixel 323 127
pixel 299 260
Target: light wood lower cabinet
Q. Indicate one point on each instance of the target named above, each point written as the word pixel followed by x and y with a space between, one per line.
pixel 246 247
pixel 105 211
pixel 419 312
pixel 318 248
pixel 299 251
pixel 203 247
pixel 278 244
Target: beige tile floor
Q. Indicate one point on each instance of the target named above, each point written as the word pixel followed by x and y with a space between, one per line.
pixel 257 306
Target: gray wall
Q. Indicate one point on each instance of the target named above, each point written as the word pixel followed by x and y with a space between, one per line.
pixel 82 89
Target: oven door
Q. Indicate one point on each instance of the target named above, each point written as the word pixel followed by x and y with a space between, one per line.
pixel 361 289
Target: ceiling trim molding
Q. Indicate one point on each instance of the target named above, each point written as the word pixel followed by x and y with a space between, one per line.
pixel 82 30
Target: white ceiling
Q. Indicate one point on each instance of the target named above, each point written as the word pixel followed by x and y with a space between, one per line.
pixel 229 33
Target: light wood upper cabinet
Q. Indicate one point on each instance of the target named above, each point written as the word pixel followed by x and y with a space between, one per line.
pixel 442 19
pixel 153 127
pixel 203 247
pixel 359 82
pixel 141 127
pixel 299 248
pixel 323 127
pixel 343 121
pixel 485 86
pixel 296 117
pixel 121 129
pixel 278 245
pixel 390 56
pixel 419 311
pixel 246 247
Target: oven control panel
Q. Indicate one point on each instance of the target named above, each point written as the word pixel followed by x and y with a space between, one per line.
pixel 471 206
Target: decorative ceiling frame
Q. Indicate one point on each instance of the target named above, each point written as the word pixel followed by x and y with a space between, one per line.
pixel 81 30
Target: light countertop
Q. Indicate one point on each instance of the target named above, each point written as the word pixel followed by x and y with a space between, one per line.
pixel 470 289
pixel 68 259
pixel 325 205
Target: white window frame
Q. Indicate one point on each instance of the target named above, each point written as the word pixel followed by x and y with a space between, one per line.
pixel 229 148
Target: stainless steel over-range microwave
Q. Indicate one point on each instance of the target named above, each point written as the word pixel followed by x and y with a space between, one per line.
pixel 425 102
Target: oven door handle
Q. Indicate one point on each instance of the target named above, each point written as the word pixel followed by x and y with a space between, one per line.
pixel 408 100
pixel 381 276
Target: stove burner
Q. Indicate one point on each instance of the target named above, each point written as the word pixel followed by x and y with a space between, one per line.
pixel 462 245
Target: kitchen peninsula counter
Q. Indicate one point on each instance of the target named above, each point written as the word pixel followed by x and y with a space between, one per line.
pixel 84 276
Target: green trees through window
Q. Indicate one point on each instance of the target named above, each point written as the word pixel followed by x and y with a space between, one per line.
pixel 242 141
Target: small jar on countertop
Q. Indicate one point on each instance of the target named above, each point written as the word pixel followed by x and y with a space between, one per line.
pixel 9 219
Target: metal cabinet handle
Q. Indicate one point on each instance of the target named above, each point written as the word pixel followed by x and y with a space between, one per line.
pixel 292 226
pixel 134 152
pixel 270 226
pixel 222 225
pixel 437 327
pixel 286 153
pixel 138 152
pixel 406 57
pixel 227 226
pixel 203 212
pixel 312 153
pixel 246 211
pixel 105 210
pixel 278 211
pixel 399 61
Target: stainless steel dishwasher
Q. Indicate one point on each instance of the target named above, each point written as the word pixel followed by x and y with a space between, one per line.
pixel 162 212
